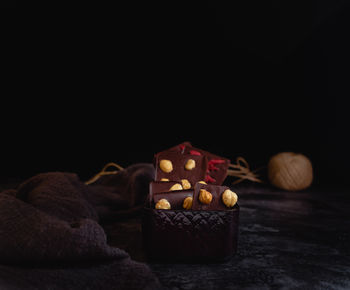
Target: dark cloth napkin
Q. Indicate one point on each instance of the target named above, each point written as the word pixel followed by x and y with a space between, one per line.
pixel 52 236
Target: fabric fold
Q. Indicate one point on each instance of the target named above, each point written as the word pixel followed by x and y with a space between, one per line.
pixel 54 218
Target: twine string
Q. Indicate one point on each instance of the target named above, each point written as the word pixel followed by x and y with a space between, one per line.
pixel 242 170
pixel 105 172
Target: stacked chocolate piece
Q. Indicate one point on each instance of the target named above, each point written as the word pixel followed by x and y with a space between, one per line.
pixel 190 178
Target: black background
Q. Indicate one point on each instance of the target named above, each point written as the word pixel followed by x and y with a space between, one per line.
pixel 89 83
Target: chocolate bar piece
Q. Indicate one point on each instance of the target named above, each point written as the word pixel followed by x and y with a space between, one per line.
pixel 175 198
pixel 174 166
pixel 217 165
pixel 213 202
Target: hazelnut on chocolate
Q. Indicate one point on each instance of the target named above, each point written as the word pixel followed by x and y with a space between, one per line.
pixel 166 165
pixel 211 197
pixel 229 198
pixel 185 184
pixel 163 204
pixel 192 168
pixel 174 198
pixel 205 196
pixel 176 186
pixel 187 202
pixel 190 164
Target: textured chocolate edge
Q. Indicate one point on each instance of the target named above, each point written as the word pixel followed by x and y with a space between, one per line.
pixel 164 253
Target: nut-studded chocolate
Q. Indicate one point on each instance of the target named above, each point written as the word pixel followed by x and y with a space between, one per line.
pixel 216 192
pixel 217 165
pixel 182 168
pixel 175 198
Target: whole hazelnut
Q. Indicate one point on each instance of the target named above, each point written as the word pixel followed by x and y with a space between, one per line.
pixel 187 202
pixel 205 196
pixel 229 198
pixel 163 204
pixel 166 165
pixel 190 164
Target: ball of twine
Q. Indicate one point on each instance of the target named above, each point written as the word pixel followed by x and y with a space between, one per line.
pixel 290 171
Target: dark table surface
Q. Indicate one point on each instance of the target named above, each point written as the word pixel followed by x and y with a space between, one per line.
pixel 287 240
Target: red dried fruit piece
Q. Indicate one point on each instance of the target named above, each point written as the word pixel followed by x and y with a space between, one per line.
pixel 213 162
pixel 209 179
pixel 212 167
pixel 194 152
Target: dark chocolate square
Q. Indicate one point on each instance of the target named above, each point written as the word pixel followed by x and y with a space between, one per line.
pixel 179 171
pixel 217 165
pixel 216 203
